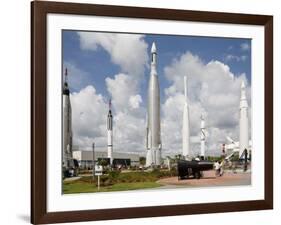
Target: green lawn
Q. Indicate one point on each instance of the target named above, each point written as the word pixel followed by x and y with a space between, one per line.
pixel 83 187
pixel 116 181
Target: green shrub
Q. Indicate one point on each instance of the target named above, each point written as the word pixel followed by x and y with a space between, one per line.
pixel 113 174
pixel 108 182
pixel 103 180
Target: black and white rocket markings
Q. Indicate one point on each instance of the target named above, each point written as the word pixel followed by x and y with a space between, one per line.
pixel 67 122
pixel 110 133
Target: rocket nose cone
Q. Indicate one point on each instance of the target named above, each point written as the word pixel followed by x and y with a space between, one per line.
pixel 153 48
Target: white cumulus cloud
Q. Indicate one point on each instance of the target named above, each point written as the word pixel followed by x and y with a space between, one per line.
pixel 89 111
pixel 89 114
pixel 135 101
pixel 212 91
pixel 126 50
pixel 245 46
pixel 130 53
pixel 236 58
pixel 121 88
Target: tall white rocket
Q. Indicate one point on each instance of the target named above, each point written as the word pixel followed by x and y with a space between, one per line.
pixel 202 137
pixel 244 132
pixel 67 123
pixel 153 131
pixel 109 133
pixel 185 124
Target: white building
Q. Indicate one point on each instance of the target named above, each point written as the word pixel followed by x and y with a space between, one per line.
pixel 85 158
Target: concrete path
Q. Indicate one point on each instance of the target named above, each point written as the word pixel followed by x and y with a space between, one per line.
pixel 209 179
pixel 71 178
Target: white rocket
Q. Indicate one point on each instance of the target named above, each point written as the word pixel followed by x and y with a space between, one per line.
pixel 67 124
pixel 110 134
pixel 202 137
pixel 244 132
pixel 185 124
pixel 153 131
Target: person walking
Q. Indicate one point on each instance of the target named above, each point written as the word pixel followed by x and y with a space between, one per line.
pixel 217 168
pixel 221 171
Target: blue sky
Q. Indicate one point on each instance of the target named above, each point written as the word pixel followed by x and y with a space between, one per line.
pixel 98 63
pixel 117 66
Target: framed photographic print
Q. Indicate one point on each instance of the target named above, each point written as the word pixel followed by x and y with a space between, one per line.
pixel 144 112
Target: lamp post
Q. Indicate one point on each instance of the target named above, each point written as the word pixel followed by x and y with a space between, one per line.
pixel 93 160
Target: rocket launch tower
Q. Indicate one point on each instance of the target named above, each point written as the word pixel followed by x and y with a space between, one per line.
pixel 153 130
pixel 109 134
pixel 67 124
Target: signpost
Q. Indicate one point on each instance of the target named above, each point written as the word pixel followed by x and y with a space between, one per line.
pixel 98 172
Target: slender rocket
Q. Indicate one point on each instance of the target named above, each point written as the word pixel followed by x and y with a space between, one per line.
pixel 67 123
pixel 109 133
pixel 202 137
pixel 244 135
pixel 185 124
pixel 153 131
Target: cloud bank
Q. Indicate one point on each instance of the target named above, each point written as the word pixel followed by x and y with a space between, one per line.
pixel 213 90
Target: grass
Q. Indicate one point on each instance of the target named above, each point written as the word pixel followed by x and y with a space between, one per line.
pixel 82 187
pixel 116 181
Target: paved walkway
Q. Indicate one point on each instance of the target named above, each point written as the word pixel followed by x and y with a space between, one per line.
pixel 209 179
pixel 72 178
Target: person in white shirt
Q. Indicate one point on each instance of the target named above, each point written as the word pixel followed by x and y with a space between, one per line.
pixel 217 168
